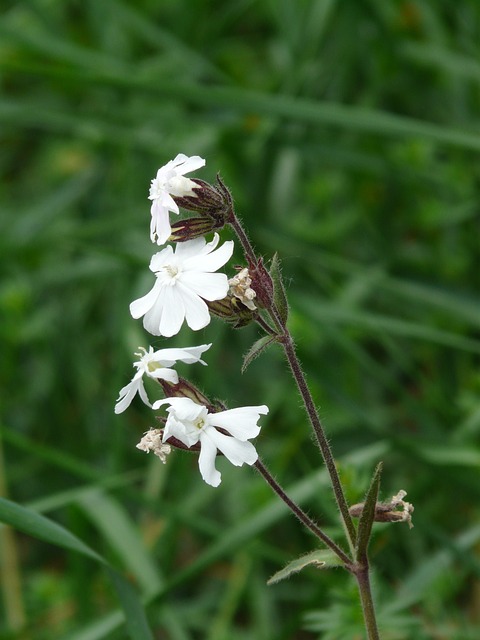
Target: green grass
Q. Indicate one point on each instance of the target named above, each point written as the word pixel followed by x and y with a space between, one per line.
pixel 348 133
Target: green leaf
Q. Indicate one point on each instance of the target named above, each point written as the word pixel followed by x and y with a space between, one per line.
pixel 40 527
pixel 256 349
pixel 448 455
pixel 368 514
pixel 320 558
pixel 123 536
pixel 43 528
pixel 328 313
pixel 279 295
pixel 136 620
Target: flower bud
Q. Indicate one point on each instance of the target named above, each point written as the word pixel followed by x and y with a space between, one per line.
pixel 262 284
pixel 232 310
pixel 210 200
pixel 191 228
pixel 184 389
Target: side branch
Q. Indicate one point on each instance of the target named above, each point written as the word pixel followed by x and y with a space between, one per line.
pixel 301 515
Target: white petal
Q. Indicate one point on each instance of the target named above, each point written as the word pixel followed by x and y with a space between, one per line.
pixel 173 313
pixel 181 186
pixel 184 430
pixel 143 394
pixel 190 248
pixel 211 262
pixel 124 399
pixel 168 202
pixel 237 452
pixel 153 317
pixel 190 355
pixel 209 286
pixel 160 259
pixel 170 375
pixel 139 308
pixel 206 461
pixel 184 408
pixel 188 164
pixel 240 422
pixel 210 246
pixel 196 310
pixel 186 433
pixel 126 395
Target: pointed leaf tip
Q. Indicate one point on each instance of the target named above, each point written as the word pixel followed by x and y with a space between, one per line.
pixel 320 558
pixel 279 294
pixel 368 514
pixel 256 349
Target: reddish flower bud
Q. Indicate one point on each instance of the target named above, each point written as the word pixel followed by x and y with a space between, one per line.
pixel 262 284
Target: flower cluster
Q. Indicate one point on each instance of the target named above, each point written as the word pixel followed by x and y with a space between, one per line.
pixel 186 285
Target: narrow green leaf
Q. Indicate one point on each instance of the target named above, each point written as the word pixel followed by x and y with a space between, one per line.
pixel 136 620
pixel 256 349
pixel 123 536
pixel 320 558
pixel 455 63
pixel 449 455
pixel 40 527
pixel 368 514
pixel 332 313
pixel 434 567
pixel 279 295
pixel 43 528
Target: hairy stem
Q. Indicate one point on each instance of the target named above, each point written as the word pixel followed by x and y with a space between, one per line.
pixel 320 435
pixel 304 392
pixel 242 236
pixel 363 580
pixel 301 515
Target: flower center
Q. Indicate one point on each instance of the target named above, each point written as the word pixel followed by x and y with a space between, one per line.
pixel 153 366
pixel 172 272
pixel 200 423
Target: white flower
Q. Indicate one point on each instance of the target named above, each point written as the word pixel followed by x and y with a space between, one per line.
pixel 170 181
pixel 190 423
pixel 155 364
pixel 185 279
pixel 152 441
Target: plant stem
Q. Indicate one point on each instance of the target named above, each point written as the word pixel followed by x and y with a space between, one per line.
pixel 320 435
pixel 299 377
pixel 301 515
pixel 363 581
pixel 359 570
pixel 242 236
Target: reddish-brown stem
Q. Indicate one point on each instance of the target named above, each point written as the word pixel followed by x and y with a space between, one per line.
pixel 301 515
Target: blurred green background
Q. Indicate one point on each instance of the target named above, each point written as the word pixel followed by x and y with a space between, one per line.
pixel 349 134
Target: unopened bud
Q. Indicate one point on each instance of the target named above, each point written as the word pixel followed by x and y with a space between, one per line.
pixel 396 510
pixel 191 228
pixel 210 200
pixel 262 284
pixel 232 310
pixel 183 389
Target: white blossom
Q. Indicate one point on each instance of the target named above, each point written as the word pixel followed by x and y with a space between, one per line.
pixel 191 423
pixel 185 278
pixel 152 441
pixel 156 364
pixel 170 181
